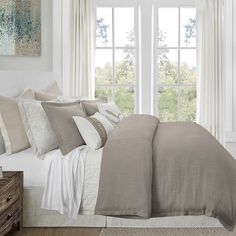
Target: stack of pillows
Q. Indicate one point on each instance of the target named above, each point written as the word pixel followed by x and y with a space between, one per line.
pixel 46 121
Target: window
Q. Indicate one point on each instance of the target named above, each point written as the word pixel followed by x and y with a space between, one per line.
pixel 115 69
pixel 175 60
pixel 146 57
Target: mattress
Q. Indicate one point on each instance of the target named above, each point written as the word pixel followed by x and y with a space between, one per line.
pixel 34 168
pixel 35 173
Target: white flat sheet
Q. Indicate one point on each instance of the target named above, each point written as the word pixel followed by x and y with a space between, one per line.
pixel 35 171
pixel 72 181
pixel 34 168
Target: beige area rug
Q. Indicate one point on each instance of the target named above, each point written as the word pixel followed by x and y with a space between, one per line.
pixel 167 232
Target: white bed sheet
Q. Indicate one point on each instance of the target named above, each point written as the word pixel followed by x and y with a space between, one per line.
pixel 33 167
pixel 89 168
pixel 35 172
pixel 65 180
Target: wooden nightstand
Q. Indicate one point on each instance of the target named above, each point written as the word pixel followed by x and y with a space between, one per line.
pixel 11 196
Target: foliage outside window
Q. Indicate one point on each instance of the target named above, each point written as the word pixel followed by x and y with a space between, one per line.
pixel 115 57
pixel 174 60
pixel 175 70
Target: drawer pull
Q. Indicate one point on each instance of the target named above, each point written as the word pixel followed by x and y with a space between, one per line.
pixel 9 216
pixel 9 199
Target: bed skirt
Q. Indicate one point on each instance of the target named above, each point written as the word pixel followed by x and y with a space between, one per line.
pixel 34 216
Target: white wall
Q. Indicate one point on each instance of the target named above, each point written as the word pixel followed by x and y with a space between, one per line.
pixel 42 63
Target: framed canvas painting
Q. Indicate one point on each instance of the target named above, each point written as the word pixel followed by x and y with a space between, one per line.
pixel 20 27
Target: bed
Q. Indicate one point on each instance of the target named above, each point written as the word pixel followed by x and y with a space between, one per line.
pixel 35 175
pixel 35 216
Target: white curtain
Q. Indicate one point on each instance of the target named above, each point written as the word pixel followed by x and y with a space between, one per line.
pixel 83 46
pixel 210 87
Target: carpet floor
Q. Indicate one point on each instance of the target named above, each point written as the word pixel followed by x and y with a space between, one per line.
pixel 167 232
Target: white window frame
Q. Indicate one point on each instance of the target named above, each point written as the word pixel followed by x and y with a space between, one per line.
pixel 123 4
pixel 145 82
pixel 178 85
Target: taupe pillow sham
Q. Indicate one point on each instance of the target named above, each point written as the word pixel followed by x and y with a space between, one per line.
pixel 60 116
pixel 11 123
pixel 51 93
pixel 90 107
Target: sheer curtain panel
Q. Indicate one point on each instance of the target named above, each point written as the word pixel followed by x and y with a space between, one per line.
pixel 82 50
pixel 210 82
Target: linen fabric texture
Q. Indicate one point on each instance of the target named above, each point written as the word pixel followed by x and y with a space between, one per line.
pixel 37 126
pixel 60 116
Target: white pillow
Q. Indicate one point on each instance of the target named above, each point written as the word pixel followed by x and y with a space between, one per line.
pixel 38 129
pixel 94 129
pixel 111 112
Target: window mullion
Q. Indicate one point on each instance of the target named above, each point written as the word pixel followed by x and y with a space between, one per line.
pixel 178 79
pixel 146 58
pixel 156 62
pixel 137 61
pixel 113 54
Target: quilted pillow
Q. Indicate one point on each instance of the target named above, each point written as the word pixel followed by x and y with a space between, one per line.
pixel 41 136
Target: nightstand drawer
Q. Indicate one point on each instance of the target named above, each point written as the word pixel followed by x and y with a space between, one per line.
pixel 9 194
pixel 10 218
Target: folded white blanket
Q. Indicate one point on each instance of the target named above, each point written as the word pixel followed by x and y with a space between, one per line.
pixel 64 184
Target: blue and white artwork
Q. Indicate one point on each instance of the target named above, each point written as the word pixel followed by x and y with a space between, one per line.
pixel 20 27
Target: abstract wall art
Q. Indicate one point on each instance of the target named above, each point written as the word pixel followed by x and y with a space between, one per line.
pixel 20 27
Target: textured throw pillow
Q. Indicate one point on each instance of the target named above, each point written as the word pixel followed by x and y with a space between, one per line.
pixel 60 116
pixel 94 129
pixel 41 136
pixel 51 93
pixel 111 112
pixel 11 123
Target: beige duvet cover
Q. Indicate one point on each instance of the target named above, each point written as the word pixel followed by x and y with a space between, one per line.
pixel 153 169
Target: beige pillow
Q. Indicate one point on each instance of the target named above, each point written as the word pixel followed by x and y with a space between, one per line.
pixel 11 123
pixel 60 116
pixel 43 96
pixel 90 107
pixel 51 93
